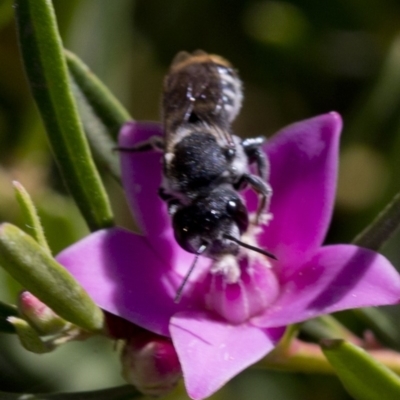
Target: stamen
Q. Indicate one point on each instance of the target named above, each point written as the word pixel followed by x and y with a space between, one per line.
pixel 250 247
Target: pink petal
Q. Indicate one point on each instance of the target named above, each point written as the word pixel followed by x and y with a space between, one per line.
pixel 212 351
pixel 337 278
pixel 124 276
pixel 304 161
pixel 141 176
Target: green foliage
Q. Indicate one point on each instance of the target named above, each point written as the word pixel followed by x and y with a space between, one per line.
pixel 363 376
pixel 31 265
pixel 45 66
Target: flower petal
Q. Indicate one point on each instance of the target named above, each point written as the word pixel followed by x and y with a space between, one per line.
pixel 124 276
pixel 141 176
pixel 212 351
pixel 303 158
pixel 337 278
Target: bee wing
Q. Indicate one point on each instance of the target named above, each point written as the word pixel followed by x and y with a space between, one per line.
pixel 208 104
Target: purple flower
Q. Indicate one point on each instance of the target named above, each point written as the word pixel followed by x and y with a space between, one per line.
pixel 220 328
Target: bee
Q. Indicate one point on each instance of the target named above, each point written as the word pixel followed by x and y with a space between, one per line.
pixel 205 165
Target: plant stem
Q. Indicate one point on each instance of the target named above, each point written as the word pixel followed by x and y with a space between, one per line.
pixel 300 356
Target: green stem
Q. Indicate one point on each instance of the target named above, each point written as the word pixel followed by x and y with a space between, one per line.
pixel 305 357
pixel 298 356
pixel 126 392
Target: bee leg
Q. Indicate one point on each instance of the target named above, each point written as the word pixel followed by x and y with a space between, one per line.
pixel 252 148
pixel 153 143
pixel 264 189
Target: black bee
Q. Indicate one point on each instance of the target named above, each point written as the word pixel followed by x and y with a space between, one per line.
pixel 205 164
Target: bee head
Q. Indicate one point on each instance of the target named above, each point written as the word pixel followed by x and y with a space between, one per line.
pixel 209 220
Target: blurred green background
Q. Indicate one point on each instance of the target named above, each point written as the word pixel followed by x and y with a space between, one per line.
pixel 296 58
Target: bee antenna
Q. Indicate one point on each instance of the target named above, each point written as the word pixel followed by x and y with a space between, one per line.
pixel 179 292
pixel 250 247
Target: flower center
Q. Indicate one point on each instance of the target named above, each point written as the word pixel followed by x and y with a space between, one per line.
pixel 240 296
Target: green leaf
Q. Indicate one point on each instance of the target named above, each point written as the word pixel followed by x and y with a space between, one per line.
pixel 373 237
pixel 104 104
pixel 382 228
pixel 99 137
pixel 45 65
pixel 30 216
pixel 28 336
pixel 7 310
pixel 362 376
pixel 26 261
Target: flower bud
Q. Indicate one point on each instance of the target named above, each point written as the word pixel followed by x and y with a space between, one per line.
pixel 150 363
pixel 39 315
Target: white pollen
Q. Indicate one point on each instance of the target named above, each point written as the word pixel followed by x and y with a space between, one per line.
pixel 227 266
pixel 168 157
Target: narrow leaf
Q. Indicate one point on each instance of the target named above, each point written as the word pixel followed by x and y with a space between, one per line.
pixel 47 73
pixel 99 137
pixel 382 228
pixel 30 216
pixel 7 310
pixel 362 376
pixel 27 262
pixel 28 336
pixel 105 105
pixel 373 237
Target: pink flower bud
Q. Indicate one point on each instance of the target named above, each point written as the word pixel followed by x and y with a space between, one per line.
pixel 150 363
pixel 39 315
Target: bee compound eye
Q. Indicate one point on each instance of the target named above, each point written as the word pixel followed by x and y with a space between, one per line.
pixel 184 233
pixel 232 206
pixel 238 212
pixel 230 153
